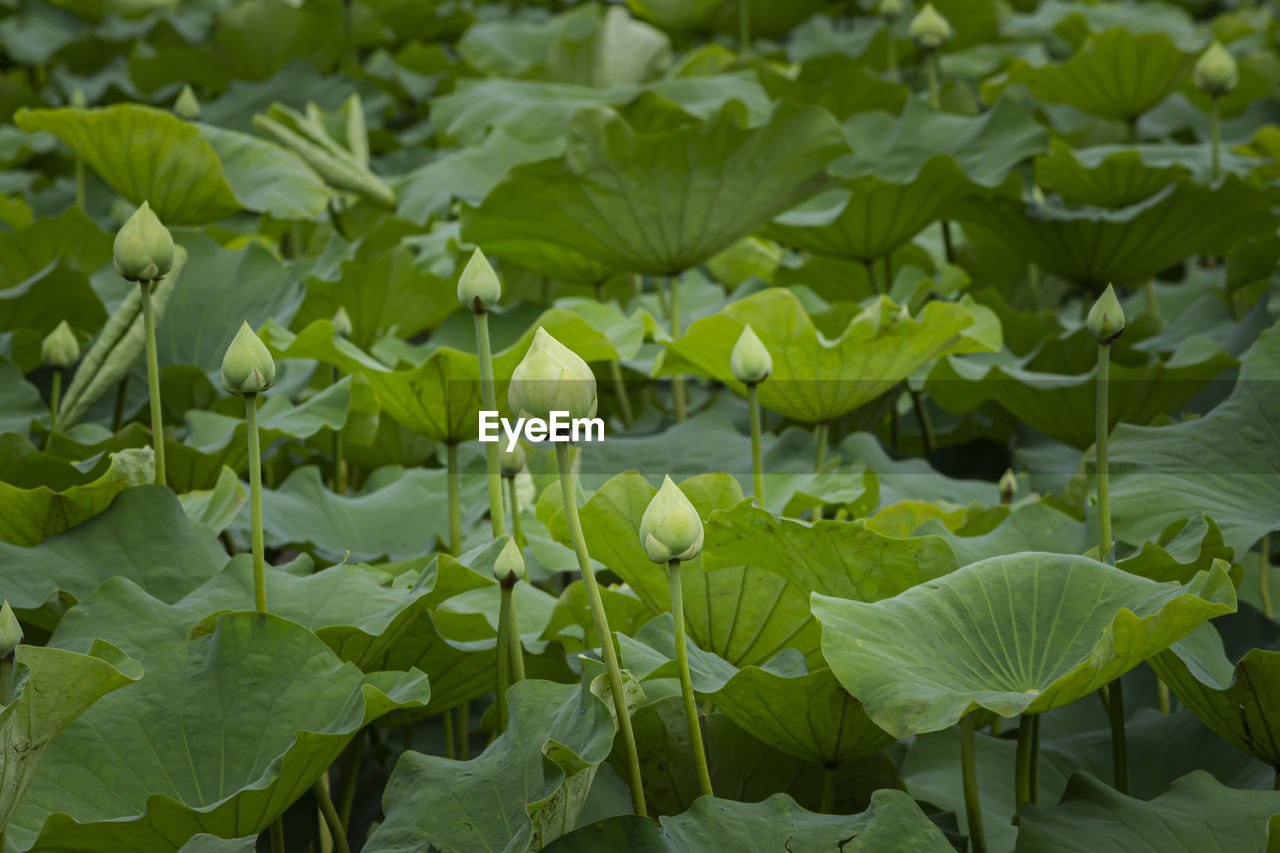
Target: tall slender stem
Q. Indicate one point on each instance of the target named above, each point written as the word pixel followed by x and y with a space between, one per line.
pixel 489 396
pixel 8 683
pixel 931 70
pixel 1215 134
pixel 601 624
pixel 922 418
pixel 339 478
pixel 122 399
pixel 513 500
pixel 620 391
pixel 969 776
pixel 1102 428
pixel 677 381
pixel 515 646
pixel 757 465
pixel 1022 763
pixel 1119 750
pixel 453 477
pixel 504 652
pixel 54 392
pixel 820 437
pixel 347 796
pixel 1264 574
pixel 1035 757
pixel 463 731
pixel 255 502
pixel 153 381
pixel 893 53
pixel 450 745
pixel 870 266
pixel 277 836
pixel 828 805
pixel 80 193
pixel 686 681
pixel 331 818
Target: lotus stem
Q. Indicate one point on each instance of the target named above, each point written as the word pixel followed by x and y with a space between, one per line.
pixel 1022 762
pixel 350 779
pixel 450 746
pixel 948 246
pixel 321 793
pixel 893 55
pixel 513 500
pixel 1153 301
pixel 1102 426
pixel 744 26
pixel 1264 572
pixel 255 502
pixel 620 391
pixel 1119 751
pixel 122 399
pixel 1035 757
pixel 686 681
pixel 931 71
pixel 757 465
pixel 339 484
pixel 1215 137
pixel 489 396
pixel 870 266
pixel 277 835
pixel 828 805
pixel 455 498
pixel 463 731
pixel 8 683
pixel 677 381
pixel 153 382
pixel 54 392
pixel 80 193
pixel 969 777
pixel 504 652
pixel 515 646
pixel 820 436
pixel 1162 696
pixel 601 624
pixel 922 418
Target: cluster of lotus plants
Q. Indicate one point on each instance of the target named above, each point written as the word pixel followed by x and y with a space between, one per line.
pixel 925 357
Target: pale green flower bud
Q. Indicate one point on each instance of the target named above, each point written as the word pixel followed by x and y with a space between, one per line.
pixel 552 378
pixel 509 566
pixel 10 631
pixel 929 30
pixel 247 368
pixel 187 106
pixel 1106 318
pixel 342 322
pixel 670 528
pixel 78 99
pixel 143 247
pixel 510 462
pixel 1216 72
pixel 1008 487
pixel 750 360
pixel 890 10
pixel 478 286
pixel 60 349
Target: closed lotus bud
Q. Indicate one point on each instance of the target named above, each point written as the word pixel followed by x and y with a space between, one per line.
pixel 187 106
pixel 60 349
pixel 78 100
pixel 1008 487
pixel 10 631
pixel 929 30
pixel 670 528
pixel 1216 72
pixel 552 378
pixel 247 368
pixel 750 360
pixel 1106 318
pixel 510 462
pixel 890 10
pixel 342 322
pixel 478 287
pixel 143 247
pixel 509 566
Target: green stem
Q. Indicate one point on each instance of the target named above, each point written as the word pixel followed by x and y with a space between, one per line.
pixel 893 55
pixel 1035 758
pixel 948 245
pixel 8 680
pixel 255 502
pixel 1119 751
pixel 677 381
pixel 1215 133
pixel 1102 427
pixel 515 646
pixel 504 651
pixel 53 405
pixel 1162 696
pixel 122 399
pixel 513 501
pixel 450 746
pixel 277 835
pixel 463 731
pixel 969 776
pixel 620 391
pixel 820 436
pixel 1022 763
pixel 828 805
pixel 347 796
pixel 686 681
pixel 153 382
pixel 923 419
pixel 744 27
pixel 876 286
pixel 757 465
pixel 1153 300
pixel 1264 571
pixel 601 624
pixel 931 69
pixel 331 817
pixel 489 396
pixel 455 499
pixel 339 484
pixel 79 198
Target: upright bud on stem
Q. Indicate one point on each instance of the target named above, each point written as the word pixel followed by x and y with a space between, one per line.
pixel 750 360
pixel 247 368
pixel 890 10
pixel 187 106
pixel 1216 72
pixel 478 286
pixel 552 378
pixel 510 462
pixel 1008 487
pixel 670 528
pixel 342 322
pixel 929 30
pixel 1106 318
pixel 60 349
pixel 143 247
pixel 509 567
pixel 10 631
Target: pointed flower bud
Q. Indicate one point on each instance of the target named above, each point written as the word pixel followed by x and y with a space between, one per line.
pixel 552 378
pixel 1008 487
pixel 890 10
pixel 1106 318
pixel 929 30
pixel 60 349
pixel 750 360
pixel 342 322
pixel 478 287
pixel 670 528
pixel 78 99
pixel 1216 72
pixel 143 247
pixel 10 631
pixel 247 368
pixel 510 462
pixel 187 106
pixel 509 566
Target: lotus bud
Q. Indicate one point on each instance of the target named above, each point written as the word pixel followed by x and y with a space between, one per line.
pixel 143 247
pixel 187 106
pixel 552 378
pixel 929 30
pixel 1008 487
pixel 750 360
pixel 478 287
pixel 60 349
pixel 342 322
pixel 1106 318
pixel 247 368
pixel 1216 72
pixel 890 10
pixel 510 462
pixel 78 100
pixel 509 567
pixel 10 632
pixel 670 528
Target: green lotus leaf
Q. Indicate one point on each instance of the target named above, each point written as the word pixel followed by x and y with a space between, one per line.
pixel 217 507
pixel 30 515
pixel 921 660
pixel 167 758
pixel 912 479
pixel 768 20
pixel 1115 74
pixel 189 173
pixel 840 85
pixel 1061 405
pixel 20 401
pixel 892 821
pixel 653 190
pixel 53 687
pixel 836 558
pixel 1197 814
pixel 205 843
pixel 144 535
pixel 1224 464
pixel 815 379
pixel 1127 246
pixel 527 787
pixel 58 292
pixel 1076 21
